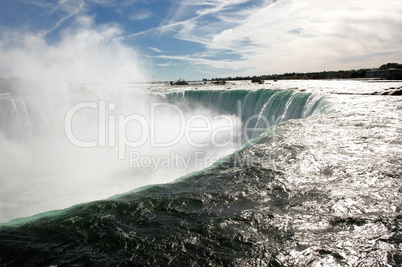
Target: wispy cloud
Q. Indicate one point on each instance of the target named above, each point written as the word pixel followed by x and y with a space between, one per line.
pixel 260 37
pixel 69 8
pixel 187 16
pixel 291 35
pixel 164 64
pixel 155 49
pixel 141 15
pixel 53 14
pixel 219 64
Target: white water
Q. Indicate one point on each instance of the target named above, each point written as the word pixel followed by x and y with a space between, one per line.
pixel 40 170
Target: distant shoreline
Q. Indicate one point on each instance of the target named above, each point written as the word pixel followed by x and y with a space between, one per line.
pixel 389 71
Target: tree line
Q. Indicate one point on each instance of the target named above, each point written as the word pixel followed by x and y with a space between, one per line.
pixel 341 74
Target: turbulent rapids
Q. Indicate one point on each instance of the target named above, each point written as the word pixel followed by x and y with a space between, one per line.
pixel 65 149
pixel 23 117
pixel 257 110
pixel 273 195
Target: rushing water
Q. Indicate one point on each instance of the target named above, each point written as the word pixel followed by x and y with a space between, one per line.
pixel 323 190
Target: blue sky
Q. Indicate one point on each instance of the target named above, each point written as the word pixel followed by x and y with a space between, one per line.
pixel 168 40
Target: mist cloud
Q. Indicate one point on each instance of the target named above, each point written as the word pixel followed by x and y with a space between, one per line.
pixel 81 53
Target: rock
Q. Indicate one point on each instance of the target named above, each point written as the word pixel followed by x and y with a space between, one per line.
pixel 397 92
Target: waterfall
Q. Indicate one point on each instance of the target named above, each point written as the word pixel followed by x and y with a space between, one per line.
pixel 131 139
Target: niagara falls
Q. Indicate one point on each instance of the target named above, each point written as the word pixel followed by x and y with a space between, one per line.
pixel 211 133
